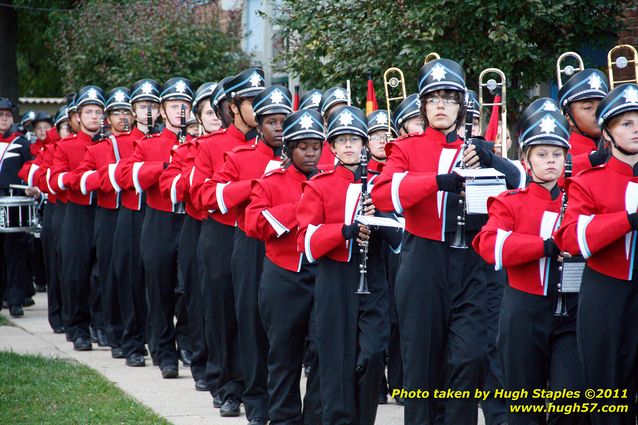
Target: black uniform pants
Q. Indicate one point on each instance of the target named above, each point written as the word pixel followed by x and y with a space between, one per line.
pixel 538 351
pixel 393 357
pixel 56 230
pixel 54 295
pixel 129 278
pixel 286 301
pixel 188 269
pixel 608 340
pixel 440 296
pixel 223 371
pixel 494 408
pixel 77 250
pixel 105 224
pixel 352 336
pixel 15 247
pixel 158 244
pixel 246 265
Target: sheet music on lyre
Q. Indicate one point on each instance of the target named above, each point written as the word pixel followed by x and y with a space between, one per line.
pixel 480 184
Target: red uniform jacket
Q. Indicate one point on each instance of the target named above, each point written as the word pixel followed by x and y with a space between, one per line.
pixel 327 158
pixel 32 171
pixel 93 171
pixel 36 147
pixel 66 159
pixel 271 215
pixel 329 201
pixel 210 158
pixel 42 176
pixel 596 224
pixel 146 165
pixel 407 183
pixel 229 189
pixel 125 145
pixel 175 180
pixel 514 236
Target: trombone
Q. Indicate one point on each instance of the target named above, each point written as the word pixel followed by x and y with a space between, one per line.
pixel 393 79
pixel 621 62
pixel 568 70
pixel 493 84
pixel 430 57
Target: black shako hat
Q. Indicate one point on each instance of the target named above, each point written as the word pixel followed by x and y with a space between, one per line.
pixel 441 74
pixel 145 89
pixel 347 120
pixel 273 100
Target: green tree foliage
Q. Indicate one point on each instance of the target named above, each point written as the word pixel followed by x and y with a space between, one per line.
pixel 329 41
pixel 112 43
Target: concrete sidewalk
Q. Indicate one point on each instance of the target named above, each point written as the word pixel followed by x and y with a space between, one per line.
pixel 174 399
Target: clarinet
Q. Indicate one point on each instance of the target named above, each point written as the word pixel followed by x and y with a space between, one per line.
pixel 102 128
pixel 126 125
pixel 459 236
pixel 561 301
pixel 149 122
pixel 362 289
pixel 182 123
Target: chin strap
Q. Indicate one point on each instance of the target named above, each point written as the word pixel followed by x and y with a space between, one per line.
pixel 613 142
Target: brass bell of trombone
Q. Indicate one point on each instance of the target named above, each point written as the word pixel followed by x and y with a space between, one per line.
pixel 569 70
pixel 621 62
pixel 498 81
pixel 393 80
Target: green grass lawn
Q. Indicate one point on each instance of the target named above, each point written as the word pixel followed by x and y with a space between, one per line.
pixel 3 320
pixel 40 390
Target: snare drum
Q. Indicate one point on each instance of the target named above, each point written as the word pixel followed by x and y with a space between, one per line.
pixel 17 214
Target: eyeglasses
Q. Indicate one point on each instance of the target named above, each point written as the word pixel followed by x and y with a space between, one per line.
pixel 350 139
pixel 379 138
pixel 447 101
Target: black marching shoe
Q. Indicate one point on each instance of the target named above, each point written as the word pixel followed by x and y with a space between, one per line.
pixel 58 330
pixel 185 356
pixel 258 421
pixel 400 401
pixel 82 344
pixel 16 311
pixel 117 353
pixel 217 402
pixel 40 288
pixel 169 372
pixel 28 302
pixel 102 340
pixel 201 385
pixel 230 408
pixel 135 360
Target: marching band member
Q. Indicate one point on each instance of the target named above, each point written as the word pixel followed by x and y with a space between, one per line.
pixel 440 302
pixel 601 224
pixel 352 329
pixel 162 222
pixel 127 259
pixel 93 174
pixel 175 182
pixel 578 98
pixel 14 152
pixel 77 247
pixel 286 288
pixel 229 190
pixel 537 348
pixel 311 100
pixel 406 118
pixel 217 237
pixel 330 100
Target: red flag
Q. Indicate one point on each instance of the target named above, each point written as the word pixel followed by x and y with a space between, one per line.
pixel 295 100
pixel 492 127
pixel 371 100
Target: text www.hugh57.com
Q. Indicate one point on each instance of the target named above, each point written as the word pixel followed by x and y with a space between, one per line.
pixel 568 409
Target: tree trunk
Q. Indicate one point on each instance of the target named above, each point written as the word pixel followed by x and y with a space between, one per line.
pixel 8 56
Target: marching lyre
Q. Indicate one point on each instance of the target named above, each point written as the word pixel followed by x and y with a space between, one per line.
pixel 492 85
pixel 430 57
pixel 569 69
pixel 393 79
pixel 620 63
